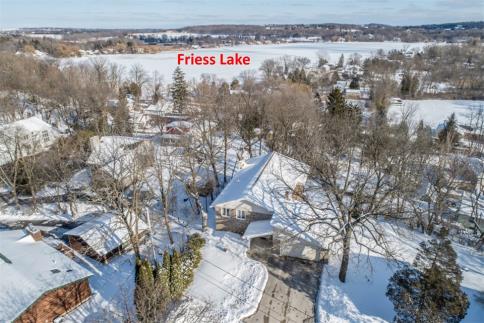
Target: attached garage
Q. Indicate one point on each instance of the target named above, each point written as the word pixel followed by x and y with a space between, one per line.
pixel 263 235
pixel 297 247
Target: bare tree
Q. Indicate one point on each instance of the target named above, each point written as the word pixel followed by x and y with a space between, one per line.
pixel 356 177
pixel 165 170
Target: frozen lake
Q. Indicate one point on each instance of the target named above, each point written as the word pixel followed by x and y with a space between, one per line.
pixel 165 62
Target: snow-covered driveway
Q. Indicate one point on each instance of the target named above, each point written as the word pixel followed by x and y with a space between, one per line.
pixel 290 292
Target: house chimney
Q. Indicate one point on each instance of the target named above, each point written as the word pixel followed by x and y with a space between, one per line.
pixel 34 232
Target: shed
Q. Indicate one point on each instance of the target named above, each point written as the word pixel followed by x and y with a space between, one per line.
pixel 104 236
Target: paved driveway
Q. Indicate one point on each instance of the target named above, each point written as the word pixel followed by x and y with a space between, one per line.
pixel 291 288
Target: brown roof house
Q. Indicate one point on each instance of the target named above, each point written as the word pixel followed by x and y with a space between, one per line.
pixel 37 282
pixel 105 236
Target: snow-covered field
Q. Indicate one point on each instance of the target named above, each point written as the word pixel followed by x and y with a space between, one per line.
pixel 434 112
pixel 362 298
pixel 165 62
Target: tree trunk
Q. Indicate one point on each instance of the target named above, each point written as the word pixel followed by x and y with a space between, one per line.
pixel 214 170
pixel 346 255
pixel 168 227
pixel 166 207
pixel 225 158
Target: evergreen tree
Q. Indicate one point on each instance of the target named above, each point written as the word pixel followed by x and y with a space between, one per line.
pixel 144 274
pixel 179 90
pixel 176 277
pixel 336 102
pixel 163 274
pixel 355 84
pixel 195 244
pixel 409 85
pixel 337 105
pixel 234 85
pixel 449 135
pixel 341 61
pixel 429 291
pixel 322 61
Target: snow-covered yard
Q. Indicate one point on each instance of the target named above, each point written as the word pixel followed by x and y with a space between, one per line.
pixel 435 112
pixel 227 282
pixel 112 285
pixel 362 298
pixel 227 286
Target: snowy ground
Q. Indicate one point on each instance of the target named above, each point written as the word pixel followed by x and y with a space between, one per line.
pixel 112 285
pixel 228 284
pixel 165 62
pixel 435 112
pixel 362 298
pixel 48 212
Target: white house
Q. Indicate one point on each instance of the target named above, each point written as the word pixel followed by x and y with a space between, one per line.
pixel 264 200
pixel 25 137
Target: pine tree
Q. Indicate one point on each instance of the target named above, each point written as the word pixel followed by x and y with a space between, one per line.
pixel 144 275
pixel 409 85
pixel 449 135
pixel 429 291
pixel 163 274
pixel 355 84
pixel 336 102
pixel 176 277
pixel 341 61
pixel 179 90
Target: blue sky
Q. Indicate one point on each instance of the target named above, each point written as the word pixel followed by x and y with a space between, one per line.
pixel 178 13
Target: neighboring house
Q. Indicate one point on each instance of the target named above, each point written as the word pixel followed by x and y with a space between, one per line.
pixel 342 85
pixel 171 139
pixel 37 282
pixel 105 236
pixel 26 137
pixel 353 94
pixel 178 127
pixel 263 199
pixel 119 158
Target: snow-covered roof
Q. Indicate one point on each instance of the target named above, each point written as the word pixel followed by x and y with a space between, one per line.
pixel 105 233
pixel 33 128
pixel 258 229
pixel 114 154
pixel 28 269
pixel 296 219
pixel 264 179
pixel 179 124
pixel 32 124
pixel 171 136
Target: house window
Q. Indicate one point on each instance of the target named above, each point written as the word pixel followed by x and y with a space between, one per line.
pixel 225 212
pixel 45 136
pixel 241 214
